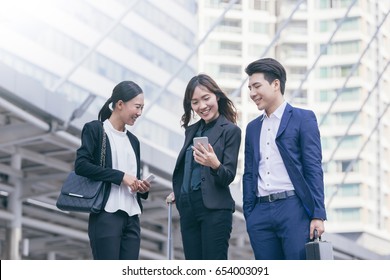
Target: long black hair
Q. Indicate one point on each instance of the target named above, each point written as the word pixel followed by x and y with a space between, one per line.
pixel 225 105
pixel 124 91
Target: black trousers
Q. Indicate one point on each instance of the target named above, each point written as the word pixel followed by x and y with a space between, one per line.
pixel 205 232
pixel 114 236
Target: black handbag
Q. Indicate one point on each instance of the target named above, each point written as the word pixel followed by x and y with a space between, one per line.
pixel 81 194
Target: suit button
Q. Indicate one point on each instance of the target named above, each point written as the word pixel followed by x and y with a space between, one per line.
pixel 203 179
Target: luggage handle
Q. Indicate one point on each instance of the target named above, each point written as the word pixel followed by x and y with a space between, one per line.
pixel 315 235
pixel 169 243
pixel 170 200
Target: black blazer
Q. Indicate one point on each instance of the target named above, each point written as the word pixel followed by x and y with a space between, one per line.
pixel 87 162
pixel 225 138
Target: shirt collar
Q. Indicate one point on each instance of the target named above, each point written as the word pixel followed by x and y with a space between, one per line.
pixel 205 126
pixel 278 112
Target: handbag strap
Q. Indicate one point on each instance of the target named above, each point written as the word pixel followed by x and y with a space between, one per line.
pixel 103 151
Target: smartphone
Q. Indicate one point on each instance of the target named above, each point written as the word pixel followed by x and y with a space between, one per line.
pixel 202 140
pixel 150 178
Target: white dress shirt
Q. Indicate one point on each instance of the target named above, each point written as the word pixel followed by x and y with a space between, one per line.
pixel 273 176
pixel 123 159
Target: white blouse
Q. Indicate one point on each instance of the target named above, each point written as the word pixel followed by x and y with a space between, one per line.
pixel 123 159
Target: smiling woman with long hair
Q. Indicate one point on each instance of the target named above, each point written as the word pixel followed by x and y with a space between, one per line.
pixel 202 175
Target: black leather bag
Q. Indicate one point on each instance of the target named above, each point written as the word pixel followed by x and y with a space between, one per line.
pixel 318 249
pixel 81 194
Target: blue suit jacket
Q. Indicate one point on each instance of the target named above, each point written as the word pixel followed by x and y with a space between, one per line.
pixel 298 141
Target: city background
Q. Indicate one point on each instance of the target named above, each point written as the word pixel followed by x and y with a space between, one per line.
pixel 59 61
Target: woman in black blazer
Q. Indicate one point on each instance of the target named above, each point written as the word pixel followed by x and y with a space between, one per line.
pixel 202 175
pixel 115 232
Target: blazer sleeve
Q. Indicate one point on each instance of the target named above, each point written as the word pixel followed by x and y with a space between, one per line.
pixel 312 163
pixel 247 179
pixel 87 162
pixel 226 172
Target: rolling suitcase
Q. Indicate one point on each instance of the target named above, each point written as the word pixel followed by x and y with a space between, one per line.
pixel 318 249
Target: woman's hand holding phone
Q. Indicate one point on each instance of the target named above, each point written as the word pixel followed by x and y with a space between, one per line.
pixel 145 183
pixel 206 157
pixel 131 181
pixel 204 141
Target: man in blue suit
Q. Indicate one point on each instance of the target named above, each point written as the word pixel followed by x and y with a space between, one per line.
pixel 283 187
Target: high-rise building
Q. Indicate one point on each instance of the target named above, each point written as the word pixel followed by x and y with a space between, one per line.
pixel 336 54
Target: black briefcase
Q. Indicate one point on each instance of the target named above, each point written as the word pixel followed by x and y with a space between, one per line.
pixel 318 249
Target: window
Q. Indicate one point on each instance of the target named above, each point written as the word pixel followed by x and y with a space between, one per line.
pixel 230 71
pixel 85 12
pixel 350 94
pixel 298 96
pixel 350 190
pixel 330 25
pixel 230 48
pixel 230 25
pixel 151 52
pixel 255 50
pixel 56 41
pixel 258 27
pixel 298 27
pixel 345 190
pixel 340 71
pixel 347 165
pixel 294 51
pixel 20 65
pixel 348 47
pixel 347 214
pixel 297 72
pixel 259 5
pixel 151 130
pixel 117 72
pixel 222 4
pixel 326 143
pixel 325 95
pixel 332 4
pixel 349 142
pixel 166 23
pixel 341 166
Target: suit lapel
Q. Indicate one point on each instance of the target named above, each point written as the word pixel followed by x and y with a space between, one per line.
pixel 190 133
pixel 256 138
pixel 217 130
pixel 285 119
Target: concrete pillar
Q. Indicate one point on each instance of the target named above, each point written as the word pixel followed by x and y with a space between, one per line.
pixel 14 230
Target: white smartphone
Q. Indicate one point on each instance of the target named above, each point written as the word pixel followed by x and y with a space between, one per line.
pixel 204 140
pixel 150 178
